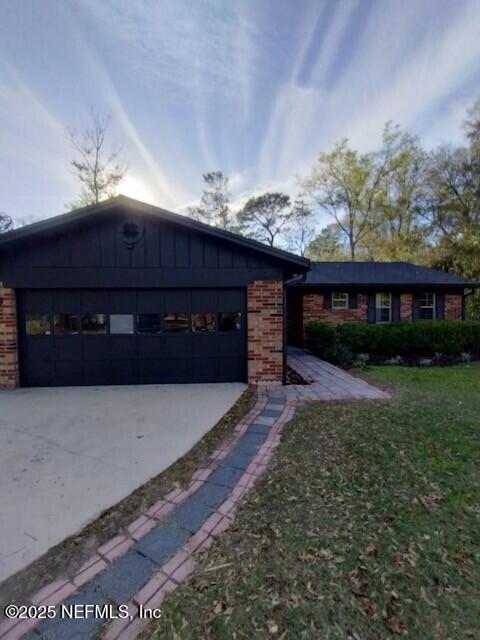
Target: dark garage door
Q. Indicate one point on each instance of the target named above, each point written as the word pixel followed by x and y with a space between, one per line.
pixel 118 336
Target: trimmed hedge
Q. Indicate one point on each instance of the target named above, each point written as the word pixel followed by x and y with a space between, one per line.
pixel 409 340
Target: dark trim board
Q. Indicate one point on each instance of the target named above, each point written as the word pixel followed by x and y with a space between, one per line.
pixel 105 277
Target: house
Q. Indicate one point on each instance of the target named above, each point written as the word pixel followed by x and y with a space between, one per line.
pixel 375 292
pixel 127 293
pixel 124 293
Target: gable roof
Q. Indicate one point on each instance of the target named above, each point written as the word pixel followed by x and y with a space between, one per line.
pixel 379 274
pixel 78 215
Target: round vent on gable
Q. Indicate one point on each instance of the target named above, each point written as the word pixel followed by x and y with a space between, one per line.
pixel 131 232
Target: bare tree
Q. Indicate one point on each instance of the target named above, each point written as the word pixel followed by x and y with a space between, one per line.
pixel 6 222
pixel 301 231
pixel 98 170
pixel 214 207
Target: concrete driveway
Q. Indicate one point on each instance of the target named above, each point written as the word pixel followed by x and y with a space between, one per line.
pixel 67 454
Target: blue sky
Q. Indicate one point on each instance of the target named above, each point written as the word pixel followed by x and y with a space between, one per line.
pixel 256 88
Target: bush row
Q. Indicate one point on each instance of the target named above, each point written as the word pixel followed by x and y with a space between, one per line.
pixel 409 340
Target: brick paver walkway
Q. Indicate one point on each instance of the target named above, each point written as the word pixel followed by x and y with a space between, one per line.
pixel 326 382
pixel 156 552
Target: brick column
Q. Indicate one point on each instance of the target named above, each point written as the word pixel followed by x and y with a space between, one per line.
pixel 406 306
pixel 312 307
pixel 453 307
pixel 9 376
pixel 265 331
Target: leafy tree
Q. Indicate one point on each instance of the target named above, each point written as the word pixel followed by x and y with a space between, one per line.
pixel 396 230
pixel 98 170
pixel 214 207
pixel 360 189
pixel 328 245
pixel 6 222
pixel 266 217
pixel 453 193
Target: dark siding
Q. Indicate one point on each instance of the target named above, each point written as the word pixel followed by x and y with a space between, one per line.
pixel 95 254
pixel 395 307
pixel 371 308
pixel 440 306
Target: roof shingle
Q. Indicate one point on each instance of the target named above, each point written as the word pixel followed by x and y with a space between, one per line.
pixel 379 273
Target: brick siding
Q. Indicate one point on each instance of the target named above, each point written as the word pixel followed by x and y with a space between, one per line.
pixel 406 306
pixel 265 331
pixel 453 307
pixel 313 310
pixel 8 339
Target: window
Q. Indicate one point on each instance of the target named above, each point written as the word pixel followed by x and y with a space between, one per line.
pixel 175 322
pixel 94 324
pixel 38 325
pixel 383 307
pixel 427 306
pixel 149 323
pixel 230 321
pixel 66 324
pixel 203 322
pixel 339 300
pixel 121 323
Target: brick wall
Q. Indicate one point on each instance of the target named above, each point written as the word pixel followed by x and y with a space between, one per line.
pixel 8 339
pixel 406 306
pixel 265 331
pixel 313 310
pixel 453 307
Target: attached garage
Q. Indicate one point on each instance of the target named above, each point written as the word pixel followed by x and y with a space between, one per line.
pixel 131 336
pixel 126 293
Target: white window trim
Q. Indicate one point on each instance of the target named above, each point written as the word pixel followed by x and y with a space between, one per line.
pixel 389 307
pixel 432 306
pixel 344 301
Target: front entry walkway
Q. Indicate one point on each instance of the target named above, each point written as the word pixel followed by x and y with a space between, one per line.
pixel 326 382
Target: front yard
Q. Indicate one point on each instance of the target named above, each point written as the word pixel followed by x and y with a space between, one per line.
pixel 367 525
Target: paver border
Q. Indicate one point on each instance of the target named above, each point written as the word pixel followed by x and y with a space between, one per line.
pixel 60 589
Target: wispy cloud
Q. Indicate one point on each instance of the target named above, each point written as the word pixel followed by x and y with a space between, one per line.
pixel 255 89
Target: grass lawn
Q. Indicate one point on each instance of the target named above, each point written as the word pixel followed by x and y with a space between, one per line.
pixel 367 525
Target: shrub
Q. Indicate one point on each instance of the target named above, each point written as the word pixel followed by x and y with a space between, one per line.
pixel 320 338
pixel 409 340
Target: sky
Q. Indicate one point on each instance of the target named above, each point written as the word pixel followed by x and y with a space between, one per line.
pixel 256 88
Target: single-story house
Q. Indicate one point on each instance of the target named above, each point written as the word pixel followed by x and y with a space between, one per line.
pixel 127 293
pixel 375 292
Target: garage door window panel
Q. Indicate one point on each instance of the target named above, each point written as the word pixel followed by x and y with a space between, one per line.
pixel 94 324
pixel 66 324
pixel 122 324
pixel 38 325
pixel 230 322
pixel 203 322
pixel 149 323
pixel 175 322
